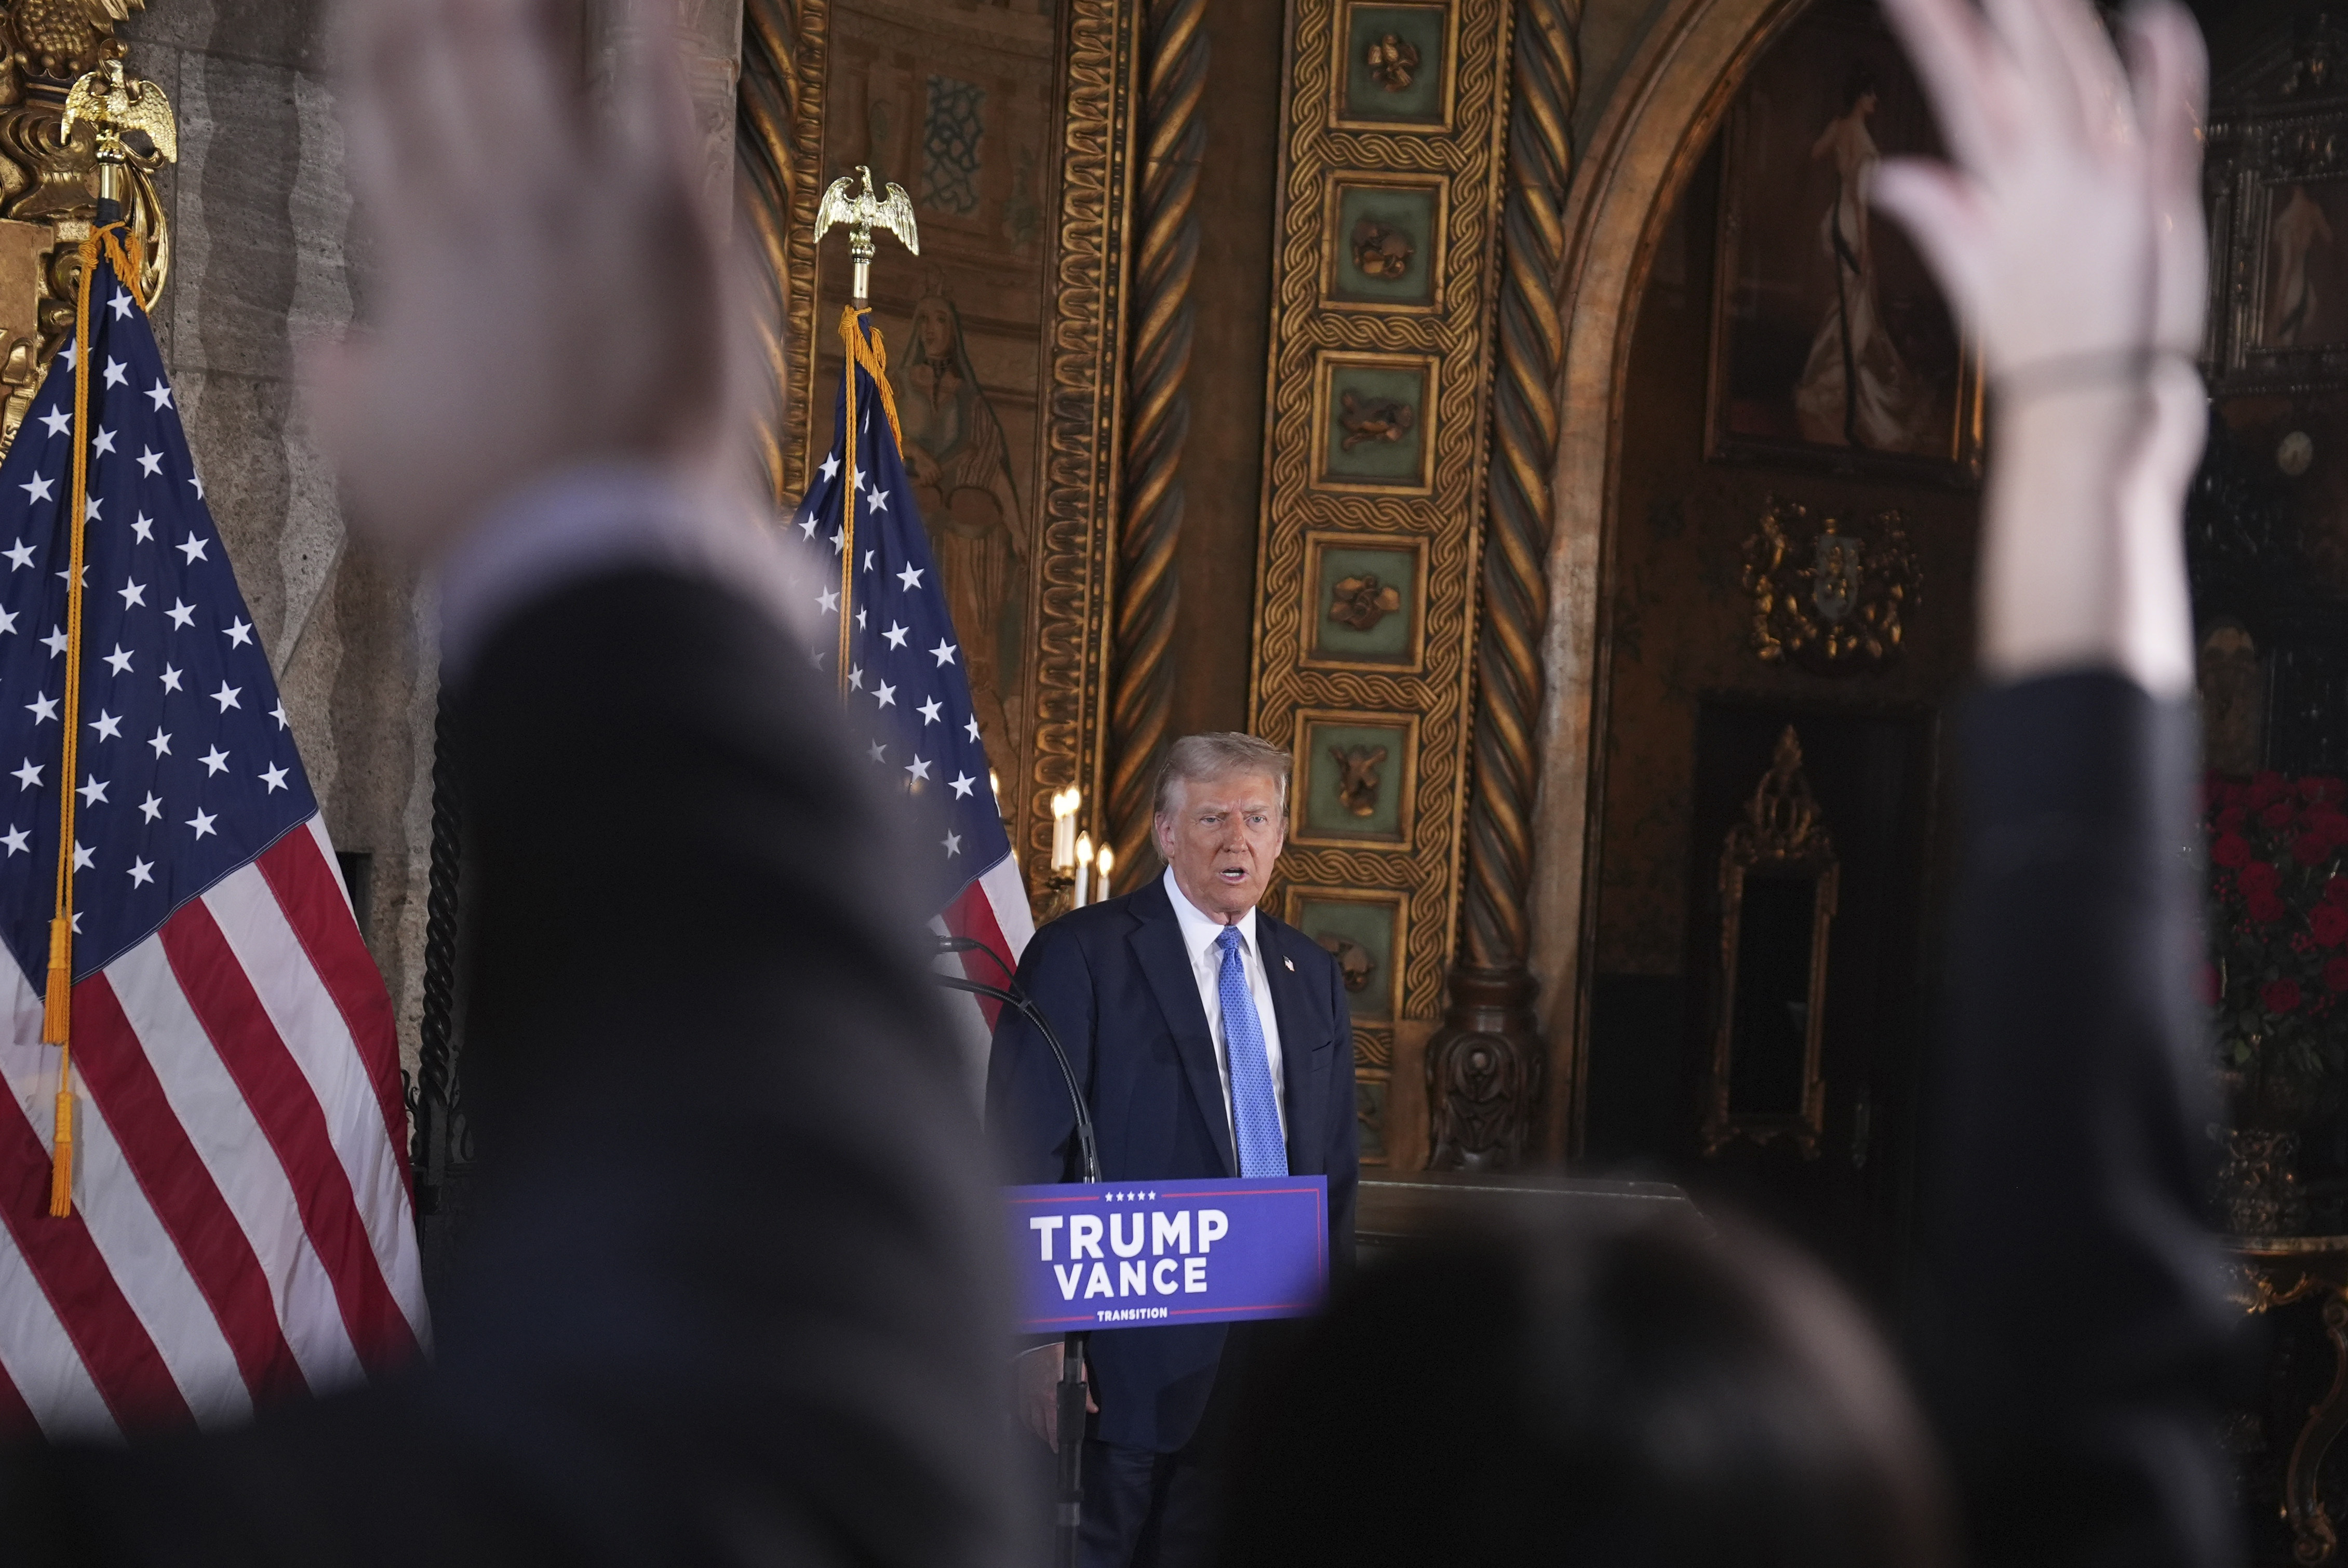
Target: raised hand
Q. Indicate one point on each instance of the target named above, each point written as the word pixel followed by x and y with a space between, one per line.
pixel 549 289
pixel 2067 229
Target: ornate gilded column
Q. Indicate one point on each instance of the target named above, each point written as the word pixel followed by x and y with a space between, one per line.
pixel 779 152
pixel 1159 420
pixel 1485 1066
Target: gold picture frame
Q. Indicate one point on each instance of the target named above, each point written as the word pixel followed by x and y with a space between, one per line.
pixel 1781 843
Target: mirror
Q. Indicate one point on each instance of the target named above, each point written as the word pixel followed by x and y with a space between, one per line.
pixel 1778 879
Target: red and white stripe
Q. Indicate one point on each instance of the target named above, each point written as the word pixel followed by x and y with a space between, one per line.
pixel 241 1229
pixel 993 907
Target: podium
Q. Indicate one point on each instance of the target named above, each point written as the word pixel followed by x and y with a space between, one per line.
pixel 1391 1212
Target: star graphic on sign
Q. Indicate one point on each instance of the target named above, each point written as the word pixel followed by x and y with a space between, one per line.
pixel 108 727
pixel 896 635
pixel 56 642
pixel 215 761
pixel 929 711
pixel 278 713
pixel 151 463
pixel 181 614
pixel 82 859
pixel 132 593
pixel 91 793
pixel 18 840
pixel 944 652
pixel 887 695
pixel 918 767
pixel 119 660
pixel 41 488
pixel 275 778
pixel 117 373
pixel 161 742
pixel 28 777
pixel 877 752
pixel 57 421
pixel 144 528
pixel 192 548
pixel 160 396
pixel 239 632
pixel 910 577
pixel 170 679
pixel 829 600
pixel 973 727
pixel 831 467
pixel 42 708
pixel 102 445
pixel 953 845
pixel 203 823
pixel 878 501
pixel 120 305
pixel 226 696
pixel 150 808
pixel 22 555
pixel 962 784
pixel 141 873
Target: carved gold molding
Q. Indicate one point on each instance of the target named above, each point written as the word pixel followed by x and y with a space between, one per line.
pixel 1147 599
pixel 1336 466
pixel 779 145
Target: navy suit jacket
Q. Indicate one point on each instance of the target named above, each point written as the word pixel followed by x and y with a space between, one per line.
pixel 1119 987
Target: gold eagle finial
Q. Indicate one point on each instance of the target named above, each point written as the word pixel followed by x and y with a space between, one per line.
pixel 862 212
pixel 113 104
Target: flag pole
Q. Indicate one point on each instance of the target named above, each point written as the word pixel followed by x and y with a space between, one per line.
pixel 861 213
pixel 112 105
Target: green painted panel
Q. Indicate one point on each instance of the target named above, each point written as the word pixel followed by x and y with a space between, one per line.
pixel 1392 87
pixel 1396 230
pixel 1368 931
pixel 1377 425
pixel 1378 609
pixel 1329 807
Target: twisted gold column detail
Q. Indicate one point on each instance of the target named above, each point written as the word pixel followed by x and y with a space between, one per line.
pixel 1485 1068
pixel 1159 420
pixel 778 142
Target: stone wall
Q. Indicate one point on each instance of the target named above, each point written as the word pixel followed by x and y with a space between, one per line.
pixel 268 261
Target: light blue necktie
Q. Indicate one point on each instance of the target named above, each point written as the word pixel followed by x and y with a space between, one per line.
pixel 1262 1152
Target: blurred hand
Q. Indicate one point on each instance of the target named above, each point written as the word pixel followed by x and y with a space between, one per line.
pixel 2067 229
pixel 2068 221
pixel 1036 1384
pixel 547 287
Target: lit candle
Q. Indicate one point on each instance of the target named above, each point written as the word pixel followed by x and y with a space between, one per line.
pixel 1107 859
pixel 1084 868
pixel 1064 829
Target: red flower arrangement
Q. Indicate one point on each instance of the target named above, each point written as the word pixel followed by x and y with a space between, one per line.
pixel 2278 926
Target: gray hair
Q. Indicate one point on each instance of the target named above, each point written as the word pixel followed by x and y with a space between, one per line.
pixel 1219 754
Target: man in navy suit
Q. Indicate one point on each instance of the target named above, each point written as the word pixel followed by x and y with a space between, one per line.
pixel 1210 1040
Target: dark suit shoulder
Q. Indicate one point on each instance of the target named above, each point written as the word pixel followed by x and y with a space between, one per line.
pixel 1287 942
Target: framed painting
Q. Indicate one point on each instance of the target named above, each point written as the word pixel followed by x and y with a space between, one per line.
pixel 1831 345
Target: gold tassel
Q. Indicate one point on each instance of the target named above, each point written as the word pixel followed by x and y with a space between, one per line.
pixel 57 1001
pixel 61 1161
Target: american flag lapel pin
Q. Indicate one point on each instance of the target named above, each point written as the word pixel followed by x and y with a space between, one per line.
pixel 1292 964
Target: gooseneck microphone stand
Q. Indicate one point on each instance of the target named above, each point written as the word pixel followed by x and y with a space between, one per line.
pixel 1068 1518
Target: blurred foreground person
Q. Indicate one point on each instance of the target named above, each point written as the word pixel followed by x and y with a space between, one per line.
pixel 729 1296
pixel 1659 1400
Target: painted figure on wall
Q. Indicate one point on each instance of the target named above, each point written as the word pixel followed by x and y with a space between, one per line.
pixel 2298 230
pixel 1856 389
pixel 962 481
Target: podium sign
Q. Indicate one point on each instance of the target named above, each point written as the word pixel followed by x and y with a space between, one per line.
pixel 1129 1254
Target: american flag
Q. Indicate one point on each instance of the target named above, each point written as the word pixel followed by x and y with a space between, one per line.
pixel 906 692
pixel 241 1229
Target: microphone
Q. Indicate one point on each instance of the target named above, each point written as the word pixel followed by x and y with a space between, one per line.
pixel 1012 995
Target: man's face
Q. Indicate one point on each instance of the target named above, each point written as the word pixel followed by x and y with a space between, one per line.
pixel 1221 838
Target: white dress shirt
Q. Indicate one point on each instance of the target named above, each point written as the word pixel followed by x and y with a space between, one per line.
pixel 1199 935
